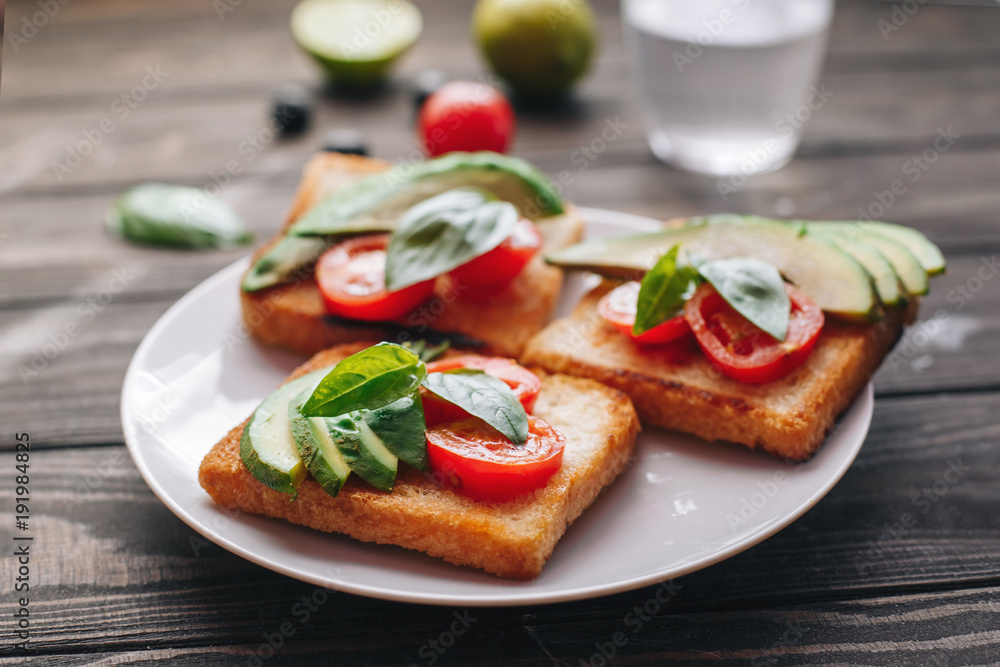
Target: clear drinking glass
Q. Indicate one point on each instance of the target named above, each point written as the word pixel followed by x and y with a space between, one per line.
pixel 727 85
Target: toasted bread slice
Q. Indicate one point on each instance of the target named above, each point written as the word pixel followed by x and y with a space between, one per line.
pixel 677 387
pixel 512 539
pixel 499 321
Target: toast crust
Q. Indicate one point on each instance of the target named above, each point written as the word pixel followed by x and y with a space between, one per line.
pixel 512 539
pixel 677 387
pixel 499 321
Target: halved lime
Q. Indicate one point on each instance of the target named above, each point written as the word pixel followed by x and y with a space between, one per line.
pixel 356 41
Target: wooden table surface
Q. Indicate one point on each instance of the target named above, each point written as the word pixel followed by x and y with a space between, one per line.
pixel 116 578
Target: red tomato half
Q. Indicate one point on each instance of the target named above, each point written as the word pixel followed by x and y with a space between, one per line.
pixel 740 349
pixel 478 461
pixel 500 265
pixel 466 116
pixel 351 278
pixel 619 307
pixel 522 382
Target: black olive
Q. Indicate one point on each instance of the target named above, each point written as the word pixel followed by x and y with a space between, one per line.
pixel 292 109
pixel 346 140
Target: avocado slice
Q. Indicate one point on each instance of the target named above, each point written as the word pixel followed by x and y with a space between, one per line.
pixel 380 199
pixel 279 264
pixel 364 452
pixel 832 278
pixel 887 283
pixel 375 203
pixel 316 447
pixel 402 429
pixel 399 427
pixel 911 273
pixel 928 254
pixel 267 447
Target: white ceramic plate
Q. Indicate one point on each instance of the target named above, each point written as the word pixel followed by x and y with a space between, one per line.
pixel 682 505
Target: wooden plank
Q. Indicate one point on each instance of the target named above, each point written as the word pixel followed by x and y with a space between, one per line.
pixel 251 46
pixel 179 139
pixel 74 397
pixel 951 628
pixel 60 251
pixel 167 129
pixel 56 247
pixel 80 355
pixel 106 579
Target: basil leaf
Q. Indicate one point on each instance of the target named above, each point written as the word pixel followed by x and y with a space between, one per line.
pixel 755 289
pixel 363 206
pixel 483 396
pixel 428 354
pixel 379 200
pixel 444 232
pixel 402 428
pixel 370 379
pixel 178 217
pixel 663 291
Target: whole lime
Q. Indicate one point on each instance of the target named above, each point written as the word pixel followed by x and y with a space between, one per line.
pixel 540 47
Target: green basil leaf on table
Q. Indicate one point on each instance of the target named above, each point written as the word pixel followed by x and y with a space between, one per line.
pixel 369 379
pixel 483 396
pixel 177 217
pixel 663 291
pixel 444 232
pixel 754 288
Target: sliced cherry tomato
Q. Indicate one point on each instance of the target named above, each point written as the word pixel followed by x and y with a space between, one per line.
pixel 619 307
pixel 503 263
pixel 740 349
pixel 522 382
pixel 466 116
pixel 476 460
pixel 351 278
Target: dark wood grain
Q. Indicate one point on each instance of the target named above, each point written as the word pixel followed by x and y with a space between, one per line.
pixel 168 588
pixel 957 627
pixel 73 397
pixel 121 580
pixel 250 48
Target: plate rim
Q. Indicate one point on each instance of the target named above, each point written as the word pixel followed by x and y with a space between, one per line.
pixel 512 596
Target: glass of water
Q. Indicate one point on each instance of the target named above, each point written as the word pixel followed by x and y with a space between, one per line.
pixel 727 85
